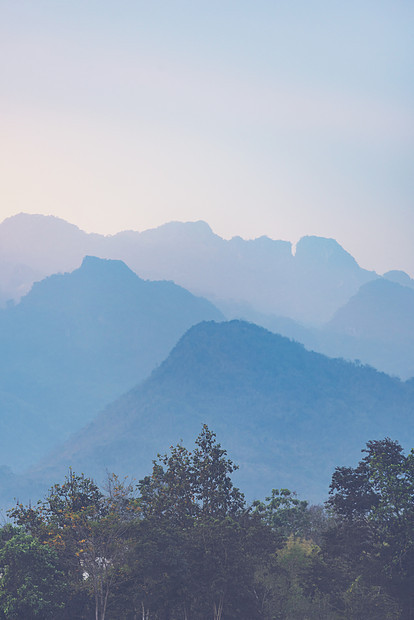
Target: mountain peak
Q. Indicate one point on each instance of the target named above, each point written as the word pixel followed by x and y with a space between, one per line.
pixel 323 250
pixel 33 223
pixel 274 404
pixel 93 265
pixel 400 277
pixel 198 228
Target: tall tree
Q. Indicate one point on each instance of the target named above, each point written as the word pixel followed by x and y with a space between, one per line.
pixel 198 536
pixel 374 506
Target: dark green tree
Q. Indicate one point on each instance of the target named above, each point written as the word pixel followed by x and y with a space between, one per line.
pixel 374 530
pixel 90 532
pixel 284 512
pixel 198 544
pixel 32 585
pixel 214 492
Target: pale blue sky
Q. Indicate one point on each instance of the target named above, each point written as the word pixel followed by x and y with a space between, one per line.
pixel 278 118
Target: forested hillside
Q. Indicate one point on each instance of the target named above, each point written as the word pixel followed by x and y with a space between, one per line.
pixel 287 415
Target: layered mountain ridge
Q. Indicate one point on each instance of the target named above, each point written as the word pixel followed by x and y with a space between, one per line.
pixel 76 342
pixel 296 293
pixel 308 286
pixel 287 416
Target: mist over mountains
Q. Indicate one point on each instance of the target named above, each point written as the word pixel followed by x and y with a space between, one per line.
pixel 376 327
pixel 308 286
pixel 84 324
pixel 295 293
pixel 75 342
pixel 287 416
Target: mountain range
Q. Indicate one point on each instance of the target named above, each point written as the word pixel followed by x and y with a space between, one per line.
pixel 78 340
pixel 287 416
pixel 295 293
pixel 81 328
pixel 376 327
pixel 308 285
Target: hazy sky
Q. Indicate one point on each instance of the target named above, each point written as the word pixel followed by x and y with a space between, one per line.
pixel 282 118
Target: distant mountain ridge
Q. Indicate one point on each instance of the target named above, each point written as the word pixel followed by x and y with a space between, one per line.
pixel 77 341
pixel 400 277
pixel 287 416
pixel 380 307
pixel 297 294
pixel 376 327
pixel 308 286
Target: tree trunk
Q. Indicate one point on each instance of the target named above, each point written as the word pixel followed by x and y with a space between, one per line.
pixel 218 609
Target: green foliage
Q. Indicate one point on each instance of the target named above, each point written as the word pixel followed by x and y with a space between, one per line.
pixel 374 505
pixel 32 584
pixel 210 540
pixel 285 513
pixel 88 530
pixel 184 544
pixel 363 601
pixel 187 484
pixel 286 584
pixel 214 492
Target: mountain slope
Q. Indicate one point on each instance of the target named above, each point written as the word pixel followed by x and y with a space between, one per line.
pixel 76 342
pixel 287 416
pixel 376 326
pixel 381 309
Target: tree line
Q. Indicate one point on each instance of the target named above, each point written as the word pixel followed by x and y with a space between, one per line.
pixel 184 544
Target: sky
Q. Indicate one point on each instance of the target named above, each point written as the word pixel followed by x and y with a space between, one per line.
pixel 273 118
